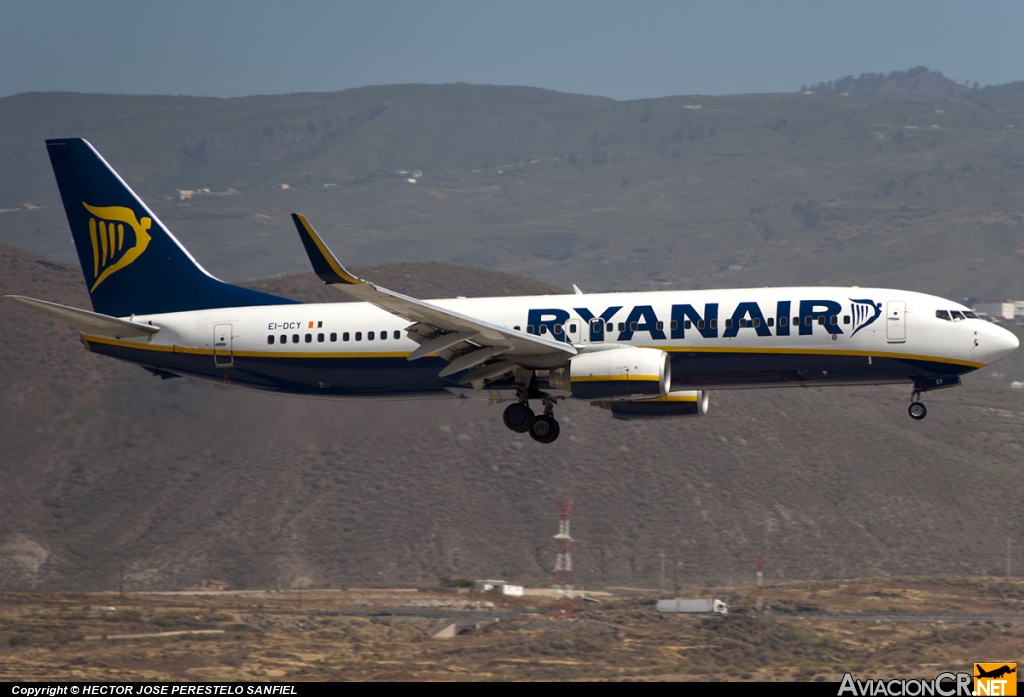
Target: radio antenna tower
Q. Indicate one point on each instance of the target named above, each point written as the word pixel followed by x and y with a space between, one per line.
pixel 759 591
pixel 562 604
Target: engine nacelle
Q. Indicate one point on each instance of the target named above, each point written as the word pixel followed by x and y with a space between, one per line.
pixel 622 373
pixel 672 405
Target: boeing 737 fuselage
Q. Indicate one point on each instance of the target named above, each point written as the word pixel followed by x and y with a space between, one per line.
pixel 639 355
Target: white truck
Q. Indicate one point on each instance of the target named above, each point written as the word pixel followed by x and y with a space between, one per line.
pixel 697 605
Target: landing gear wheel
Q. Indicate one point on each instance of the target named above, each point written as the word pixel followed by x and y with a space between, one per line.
pixel 918 411
pixel 518 418
pixel 545 429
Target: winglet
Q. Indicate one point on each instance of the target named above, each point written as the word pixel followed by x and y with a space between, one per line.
pixel 325 264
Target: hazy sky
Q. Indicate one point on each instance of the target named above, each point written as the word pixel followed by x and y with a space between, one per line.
pixel 625 50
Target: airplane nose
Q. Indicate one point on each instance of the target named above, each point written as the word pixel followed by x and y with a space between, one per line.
pixel 999 343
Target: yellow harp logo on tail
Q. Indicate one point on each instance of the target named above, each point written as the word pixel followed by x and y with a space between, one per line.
pixel 107 233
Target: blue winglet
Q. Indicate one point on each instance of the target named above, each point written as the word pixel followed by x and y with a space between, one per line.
pixel 325 264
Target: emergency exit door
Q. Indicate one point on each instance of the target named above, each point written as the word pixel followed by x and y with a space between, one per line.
pixel 222 356
pixel 896 321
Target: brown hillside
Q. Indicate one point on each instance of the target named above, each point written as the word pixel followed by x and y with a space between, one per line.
pixel 105 467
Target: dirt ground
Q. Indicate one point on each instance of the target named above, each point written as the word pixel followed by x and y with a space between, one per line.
pixel 812 631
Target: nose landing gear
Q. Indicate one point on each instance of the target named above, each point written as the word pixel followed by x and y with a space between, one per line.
pixel 917 409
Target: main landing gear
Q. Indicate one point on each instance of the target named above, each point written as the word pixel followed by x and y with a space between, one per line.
pixel 917 408
pixel 521 419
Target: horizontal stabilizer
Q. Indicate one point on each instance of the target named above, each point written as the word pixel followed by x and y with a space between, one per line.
pixel 85 321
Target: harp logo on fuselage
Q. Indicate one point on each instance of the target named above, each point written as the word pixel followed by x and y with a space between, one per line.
pixel 118 238
pixel 864 313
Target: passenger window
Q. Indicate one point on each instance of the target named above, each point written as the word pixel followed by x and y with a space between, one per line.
pixel 771 321
pixel 610 327
pixel 713 323
pixel 543 329
pixel 674 325
pixel 369 336
pixel 783 321
pixel 397 335
pixel 728 323
pixel 270 339
pixel 529 329
pixel 295 338
pixel 344 336
pixel 807 320
pixel 661 325
pixel 516 327
pixel 757 321
pixel 957 315
pixel 796 321
pixel 309 338
pixel 359 336
pixel 846 319
pixel 383 336
pixel 320 338
pixel 688 324
pixel 572 327
pixel 632 326
pixel 334 336
pixel 557 329
pixel 284 338
pixel 622 326
pixel 821 320
pixel 833 320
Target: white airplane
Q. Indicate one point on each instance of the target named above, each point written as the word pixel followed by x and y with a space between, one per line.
pixel 638 355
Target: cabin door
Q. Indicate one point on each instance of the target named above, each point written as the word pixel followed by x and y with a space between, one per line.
pixel 896 321
pixel 222 355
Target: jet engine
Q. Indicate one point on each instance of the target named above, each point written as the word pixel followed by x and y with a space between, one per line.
pixel 621 373
pixel 672 405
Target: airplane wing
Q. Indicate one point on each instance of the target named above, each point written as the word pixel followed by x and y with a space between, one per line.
pixel 464 341
pixel 85 321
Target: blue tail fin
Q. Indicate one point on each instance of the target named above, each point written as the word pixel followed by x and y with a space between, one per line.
pixel 132 264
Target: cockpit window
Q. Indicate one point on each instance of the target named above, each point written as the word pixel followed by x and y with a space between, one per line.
pixel 970 315
pixel 942 314
pixel 957 315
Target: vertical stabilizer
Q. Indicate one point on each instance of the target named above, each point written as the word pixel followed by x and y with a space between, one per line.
pixel 132 264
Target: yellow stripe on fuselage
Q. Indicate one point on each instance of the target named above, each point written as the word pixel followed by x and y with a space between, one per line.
pixel 611 378
pixel 816 352
pixel 669 349
pixel 245 354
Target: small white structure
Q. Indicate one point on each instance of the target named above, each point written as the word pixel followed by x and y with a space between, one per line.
pixel 504 587
pixel 1017 385
pixel 697 605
